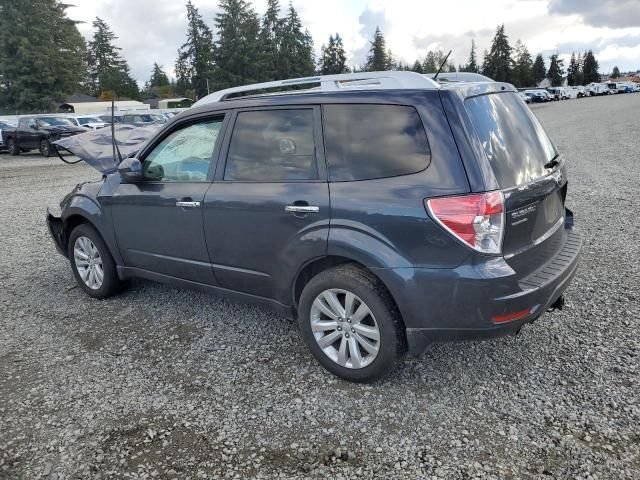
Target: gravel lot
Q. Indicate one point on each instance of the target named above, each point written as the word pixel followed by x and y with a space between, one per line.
pixel 161 383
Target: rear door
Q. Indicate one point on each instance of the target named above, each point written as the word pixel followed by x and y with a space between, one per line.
pixel 528 170
pixel 268 210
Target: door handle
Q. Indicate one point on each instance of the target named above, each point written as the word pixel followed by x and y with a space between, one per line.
pixel 301 209
pixel 184 204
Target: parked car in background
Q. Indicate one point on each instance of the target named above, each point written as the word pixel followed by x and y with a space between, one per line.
pixel 108 118
pixel 537 96
pixel 597 89
pixel 4 125
pixel 525 97
pixel 620 87
pixel 577 91
pixel 38 133
pixel 554 92
pixel 382 218
pixel 139 119
pixel 88 122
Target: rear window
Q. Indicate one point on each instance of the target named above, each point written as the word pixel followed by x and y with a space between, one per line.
pixel 515 143
pixel 374 141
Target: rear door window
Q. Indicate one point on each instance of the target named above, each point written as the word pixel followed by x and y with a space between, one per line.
pixel 512 137
pixel 272 146
pixel 374 141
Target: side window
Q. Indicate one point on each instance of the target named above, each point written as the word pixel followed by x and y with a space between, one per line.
pixel 272 145
pixel 184 155
pixel 374 141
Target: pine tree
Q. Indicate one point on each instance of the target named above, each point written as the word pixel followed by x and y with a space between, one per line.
pixel 615 73
pixel 378 59
pixel 417 67
pixel 498 63
pixel 556 70
pixel 297 48
pixel 270 37
pixel 579 76
pixel 430 65
pixel 108 71
pixel 158 86
pixel 590 68
pixel 333 59
pixel 158 77
pixel 42 56
pixel 539 69
pixel 194 65
pixel 572 70
pixel 472 63
pixel 522 75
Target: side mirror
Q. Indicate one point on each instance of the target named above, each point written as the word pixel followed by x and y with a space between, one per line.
pixel 33 125
pixel 130 170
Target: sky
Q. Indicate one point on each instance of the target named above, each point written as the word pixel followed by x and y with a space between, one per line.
pixel 152 30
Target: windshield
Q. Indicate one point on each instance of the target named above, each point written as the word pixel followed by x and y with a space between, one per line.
pixel 85 120
pixel 55 121
pixel 515 143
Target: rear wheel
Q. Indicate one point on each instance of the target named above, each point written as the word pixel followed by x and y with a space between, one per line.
pixel 92 264
pixel 13 148
pixel 45 148
pixel 351 324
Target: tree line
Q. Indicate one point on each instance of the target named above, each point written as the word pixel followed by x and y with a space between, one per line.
pixel 44 58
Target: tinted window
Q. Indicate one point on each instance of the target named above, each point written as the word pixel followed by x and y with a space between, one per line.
pixel 374 141
pixel 272 145
pixel 184 155
pixel 515 143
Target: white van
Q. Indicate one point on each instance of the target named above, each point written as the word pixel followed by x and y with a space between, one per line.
pixel 595 89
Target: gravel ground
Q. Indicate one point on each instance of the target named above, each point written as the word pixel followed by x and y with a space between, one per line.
pixel 162 383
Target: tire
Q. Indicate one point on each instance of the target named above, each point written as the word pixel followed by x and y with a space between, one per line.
pixel 12 147
pixel 77 244
pixel 384 317
pixel 45 148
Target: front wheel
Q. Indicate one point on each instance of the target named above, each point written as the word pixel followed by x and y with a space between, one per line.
pixel 13 148
pixel 351 324
pixel 92 264
pixel 45 148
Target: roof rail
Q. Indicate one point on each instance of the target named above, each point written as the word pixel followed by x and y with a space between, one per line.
pixel 334 83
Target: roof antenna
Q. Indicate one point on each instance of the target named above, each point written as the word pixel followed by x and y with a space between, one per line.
pixel 435 77
pixel 114 144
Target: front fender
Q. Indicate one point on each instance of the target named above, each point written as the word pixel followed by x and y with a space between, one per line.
pixel 81 208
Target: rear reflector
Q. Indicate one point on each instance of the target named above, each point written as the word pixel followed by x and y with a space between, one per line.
pixel 477 220
pixel 510 317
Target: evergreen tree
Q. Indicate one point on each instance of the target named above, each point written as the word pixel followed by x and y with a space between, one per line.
pixel 333 57
pixel 108 71
pixel 271 32
pixel 430 65
pixel 539 69
pixel 615 73
pixel 556 70
pixel 417 67
pixel 194 64
pixel 498 64
pixel 378 59
pixel 572 70
pixel 579 75
pixel 158 77
pixel 590 68
pixel 297 48
pixel 42 56
pixel 522 75
pixel 472 63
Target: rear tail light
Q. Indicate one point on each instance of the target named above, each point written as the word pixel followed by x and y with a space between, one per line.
pixel 477 220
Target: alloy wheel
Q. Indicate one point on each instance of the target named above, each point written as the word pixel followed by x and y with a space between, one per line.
pixel 88 262
pixel 344 328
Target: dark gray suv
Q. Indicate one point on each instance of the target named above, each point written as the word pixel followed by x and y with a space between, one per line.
pixel 382 211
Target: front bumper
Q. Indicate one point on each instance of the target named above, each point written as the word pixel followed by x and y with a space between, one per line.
pixel 460 304
pixel 56 230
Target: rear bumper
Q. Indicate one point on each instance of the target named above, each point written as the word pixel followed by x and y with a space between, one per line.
pixel 56 230
pixel 461 304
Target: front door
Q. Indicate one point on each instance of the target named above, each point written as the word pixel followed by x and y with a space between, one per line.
pixel 158 222
pixel 268 210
